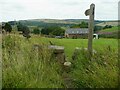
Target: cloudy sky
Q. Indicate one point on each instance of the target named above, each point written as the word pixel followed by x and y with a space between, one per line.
pixel 56 9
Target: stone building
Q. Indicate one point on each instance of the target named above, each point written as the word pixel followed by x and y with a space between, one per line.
pixel 77 33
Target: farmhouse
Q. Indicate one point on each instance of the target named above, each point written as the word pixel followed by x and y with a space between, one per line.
pixel 77 33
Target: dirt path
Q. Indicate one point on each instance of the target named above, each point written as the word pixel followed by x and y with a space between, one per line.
pixel 67 80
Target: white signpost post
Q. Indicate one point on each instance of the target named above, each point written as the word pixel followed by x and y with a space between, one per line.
pixel 90 12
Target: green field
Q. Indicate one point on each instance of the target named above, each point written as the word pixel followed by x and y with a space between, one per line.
pixel 71 44
pixel 113 29
pixel 25 67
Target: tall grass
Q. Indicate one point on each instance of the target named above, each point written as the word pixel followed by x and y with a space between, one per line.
pixel 26 66
pixel 29 64
pixel 99 72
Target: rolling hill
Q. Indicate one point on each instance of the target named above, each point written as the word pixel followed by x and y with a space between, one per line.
pixel 60 22
pixel 64 22
pixel 112 23
pixel 113 29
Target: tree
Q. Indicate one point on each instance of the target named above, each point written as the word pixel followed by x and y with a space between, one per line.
pixel 8 27
pixel 81 25
pixel 107 26
pixel 56 30
pixel 97 28
pixel 26 32
pixel 84 25
pixel 46 30
pixel 20 27
pixel 36 31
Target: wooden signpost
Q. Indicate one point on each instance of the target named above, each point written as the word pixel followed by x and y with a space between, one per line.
pixel 90 12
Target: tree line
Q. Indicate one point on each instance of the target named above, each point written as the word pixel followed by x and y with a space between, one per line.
pixel 54 30
pixel 25 30
pixel 46 30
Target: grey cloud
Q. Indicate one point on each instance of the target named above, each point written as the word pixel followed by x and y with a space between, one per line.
pixel 57 9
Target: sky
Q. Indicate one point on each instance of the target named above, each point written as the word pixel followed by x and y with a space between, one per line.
pixel 56 9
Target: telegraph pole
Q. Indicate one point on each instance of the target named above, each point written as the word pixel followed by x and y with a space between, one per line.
pixel 90 12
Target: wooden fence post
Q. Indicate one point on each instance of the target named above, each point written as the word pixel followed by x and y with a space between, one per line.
pixel 90 12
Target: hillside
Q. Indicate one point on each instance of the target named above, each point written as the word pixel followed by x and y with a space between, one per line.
pixel 109 33
pixel 58 21
pixel 52 22
pixel 63 22
pixel 113 23
pixel 113 29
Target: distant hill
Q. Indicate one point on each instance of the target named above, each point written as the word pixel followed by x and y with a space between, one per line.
pixel 80 20
pixel 47 22
pixel 109 33
pixel 112 23
pixel 113 29
pixel 62 22
pixel 57 21
pixel 53 22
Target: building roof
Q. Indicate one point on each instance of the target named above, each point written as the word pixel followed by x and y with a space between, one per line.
pixel 77 31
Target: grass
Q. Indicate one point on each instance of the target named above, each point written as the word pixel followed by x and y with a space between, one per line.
pixel 113 29
pixel 25 66
pixel 99 72
pixel 71 44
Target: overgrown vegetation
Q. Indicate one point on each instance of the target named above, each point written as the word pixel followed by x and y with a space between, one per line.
pixel 99 72
pixel 27 65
